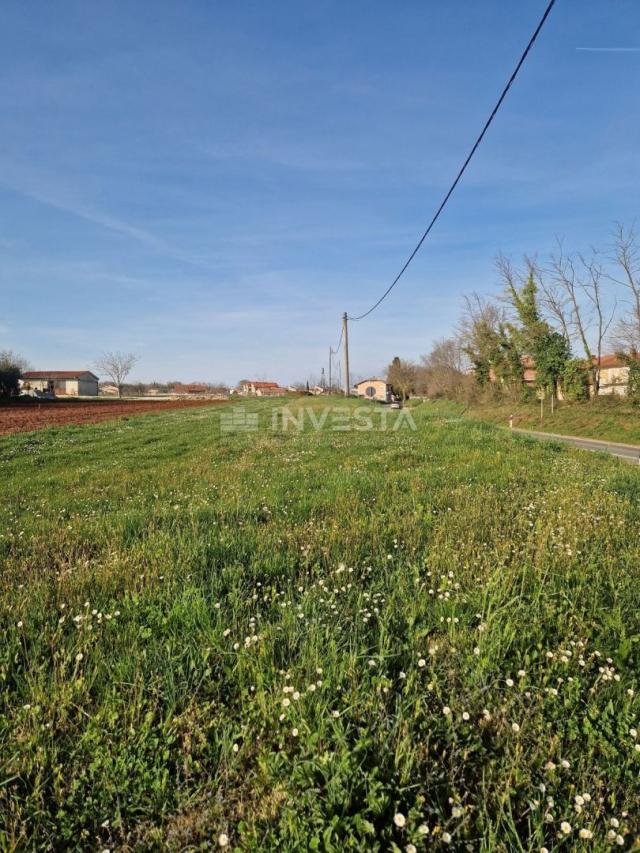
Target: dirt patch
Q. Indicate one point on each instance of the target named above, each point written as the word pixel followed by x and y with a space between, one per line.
pixel 24 416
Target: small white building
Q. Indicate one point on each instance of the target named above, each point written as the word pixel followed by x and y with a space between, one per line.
pixel 614 376
pixel 374 389
pixel 59 383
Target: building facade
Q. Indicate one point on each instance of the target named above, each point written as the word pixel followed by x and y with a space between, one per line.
pixel 59 383
pixel 256 388
pixel 374 389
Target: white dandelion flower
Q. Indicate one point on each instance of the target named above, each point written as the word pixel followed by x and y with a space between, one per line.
pixel 399 819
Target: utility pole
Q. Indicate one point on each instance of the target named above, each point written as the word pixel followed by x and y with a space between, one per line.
pixel 330 354
pixel 322 382
pixel 345 332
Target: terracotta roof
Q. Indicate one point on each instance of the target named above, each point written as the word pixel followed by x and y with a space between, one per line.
pixel 611 361
pixel 373 379
pixel 260 384
pixel 57 374
pixel 606 361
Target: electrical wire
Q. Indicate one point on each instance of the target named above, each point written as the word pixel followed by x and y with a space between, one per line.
pixel 464 165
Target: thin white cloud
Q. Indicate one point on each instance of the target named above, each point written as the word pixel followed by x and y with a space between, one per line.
pixel 610 49
pixel 60 200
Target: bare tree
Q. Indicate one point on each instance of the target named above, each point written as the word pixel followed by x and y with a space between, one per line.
pixel 483 333
pixel 554 301
pixel 117 366
pixel 580 280
pixel 479 312
pixel 445 371
pixel 626 256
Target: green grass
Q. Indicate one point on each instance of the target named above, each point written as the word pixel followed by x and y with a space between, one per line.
pixel 259 634
pixel 606 418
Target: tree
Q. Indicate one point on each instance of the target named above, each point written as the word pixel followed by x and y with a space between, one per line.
pixel 633 382
pixel 444 372
pixel 491 350
pixel 551 355
pixel 12 366
pixel 626 256
pixel 580 280
pixel 116 366
pixel 401 375
pixel 534 336
pixel 575 380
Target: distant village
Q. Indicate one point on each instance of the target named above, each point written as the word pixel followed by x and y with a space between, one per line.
pixel 50 384
pixel 66 384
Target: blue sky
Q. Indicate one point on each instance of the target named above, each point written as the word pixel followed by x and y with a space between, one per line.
pixel 210 184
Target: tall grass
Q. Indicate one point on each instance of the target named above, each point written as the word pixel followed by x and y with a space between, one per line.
pixel 316 640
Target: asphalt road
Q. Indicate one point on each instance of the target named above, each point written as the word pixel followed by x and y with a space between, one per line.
pixel 628 452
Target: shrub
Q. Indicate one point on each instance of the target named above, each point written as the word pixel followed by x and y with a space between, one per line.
pixel 575 381
pixel 11 368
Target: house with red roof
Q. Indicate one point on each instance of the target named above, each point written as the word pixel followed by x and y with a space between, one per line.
pixel 59 383
pixel 257 388
pixel 614 376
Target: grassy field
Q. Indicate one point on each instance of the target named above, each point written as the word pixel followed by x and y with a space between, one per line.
pixel 608 419
pixel 385 640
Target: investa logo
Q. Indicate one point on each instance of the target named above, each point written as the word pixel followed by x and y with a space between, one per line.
pixel 339 419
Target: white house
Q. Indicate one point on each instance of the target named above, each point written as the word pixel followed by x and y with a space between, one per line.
pixel 59 383
pixel 614 376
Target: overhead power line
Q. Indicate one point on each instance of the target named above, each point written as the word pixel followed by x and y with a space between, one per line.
pixel 464 165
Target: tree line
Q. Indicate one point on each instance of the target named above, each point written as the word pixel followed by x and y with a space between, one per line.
pixel 558 317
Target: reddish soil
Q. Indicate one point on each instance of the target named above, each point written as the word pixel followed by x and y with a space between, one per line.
pixel 28 415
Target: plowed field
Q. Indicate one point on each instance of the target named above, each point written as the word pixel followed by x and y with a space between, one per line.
pixel 21 417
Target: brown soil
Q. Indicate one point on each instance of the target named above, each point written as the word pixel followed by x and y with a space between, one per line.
pixel 21 416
